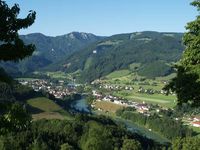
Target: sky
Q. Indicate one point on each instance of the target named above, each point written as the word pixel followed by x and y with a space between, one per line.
pixel 106 17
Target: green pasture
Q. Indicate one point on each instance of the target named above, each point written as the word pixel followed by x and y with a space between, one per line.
pixel 118 74
pixel 46 109
pixel 162 100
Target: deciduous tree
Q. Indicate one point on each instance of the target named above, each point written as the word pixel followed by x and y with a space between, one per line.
pixel 12 48
pixel 187 82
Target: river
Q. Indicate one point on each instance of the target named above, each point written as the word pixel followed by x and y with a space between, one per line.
pixel 82 106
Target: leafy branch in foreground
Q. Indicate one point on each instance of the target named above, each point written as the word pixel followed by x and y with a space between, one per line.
pixel 12 48
pixel 187 82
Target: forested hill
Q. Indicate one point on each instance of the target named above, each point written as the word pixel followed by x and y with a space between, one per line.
pixel 50 49
pixel 151 52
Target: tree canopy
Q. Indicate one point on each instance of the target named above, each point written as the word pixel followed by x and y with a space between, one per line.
pixel 187 82
pixel 13 117
pixel 12 48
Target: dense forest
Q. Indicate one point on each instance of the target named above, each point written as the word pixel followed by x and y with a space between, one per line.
pixel 165 125
pixel 84 132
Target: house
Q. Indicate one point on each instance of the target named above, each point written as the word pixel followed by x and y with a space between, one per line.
pixel 94 51
pixel 196 118
pixel 196 124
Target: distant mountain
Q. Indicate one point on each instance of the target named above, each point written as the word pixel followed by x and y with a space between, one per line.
pixel 50 50
pixel 153 51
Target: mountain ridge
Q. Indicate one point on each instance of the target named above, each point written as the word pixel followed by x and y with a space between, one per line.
pixel 49 50
pixel 96 56
pixel 153 50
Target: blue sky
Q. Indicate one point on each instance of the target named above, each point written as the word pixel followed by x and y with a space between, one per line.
pixel 107 17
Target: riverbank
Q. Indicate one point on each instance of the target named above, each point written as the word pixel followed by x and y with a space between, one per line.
pixel 82 106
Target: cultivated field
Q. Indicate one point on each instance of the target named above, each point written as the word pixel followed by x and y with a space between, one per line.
pixel 162 100
pixel 128 78
pixel 46 109
pixel 107 106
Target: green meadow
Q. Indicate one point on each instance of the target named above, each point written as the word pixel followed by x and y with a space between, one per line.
pixel 46 108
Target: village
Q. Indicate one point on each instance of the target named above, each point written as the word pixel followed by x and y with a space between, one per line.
pixel 58 89
pixel 130 88
pixel 143 108
pixel 140 107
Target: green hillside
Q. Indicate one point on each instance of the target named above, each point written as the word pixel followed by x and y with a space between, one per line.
pixel 49 50
pixel 154 52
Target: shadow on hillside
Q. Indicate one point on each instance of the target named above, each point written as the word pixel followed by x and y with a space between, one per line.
pixel 33 110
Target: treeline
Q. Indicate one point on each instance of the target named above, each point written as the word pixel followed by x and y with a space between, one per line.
pixel 166 126
pixel 15 92
pixel 188 143
pixel 84 133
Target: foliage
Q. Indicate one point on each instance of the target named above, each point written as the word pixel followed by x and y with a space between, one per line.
pixel 4 77
pixel 187 82
pixel 155 69
pixel 6 92
pixel 96 138
pixel 12 47
pixel 165 125
pixel 188 143
pixel 66 146
pixel 85 132
pixel 130 144
pixel 14 119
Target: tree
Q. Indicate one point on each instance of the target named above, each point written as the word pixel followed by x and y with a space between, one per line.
pixel 187 82
pixel 97 137
pixel 191 143
pixel 66 146
pixel 130 144
pixel 12 48
pixel 14 119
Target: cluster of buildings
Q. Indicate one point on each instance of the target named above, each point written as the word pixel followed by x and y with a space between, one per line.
pixel 140 107
pixel 59 90
pixel 116 87
pixel 195 121
pixel 130 88
pixel 152 91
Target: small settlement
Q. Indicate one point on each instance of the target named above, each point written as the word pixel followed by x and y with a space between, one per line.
pixel 59 89
pixel 140 107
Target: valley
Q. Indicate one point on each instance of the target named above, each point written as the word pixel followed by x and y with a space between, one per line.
pixel 107 96
pixel 120 77
pixel 131 81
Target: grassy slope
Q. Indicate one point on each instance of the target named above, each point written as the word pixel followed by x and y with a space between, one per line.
pixel 49 109
pixel 118 74
pixel 165 101
pixel 125 77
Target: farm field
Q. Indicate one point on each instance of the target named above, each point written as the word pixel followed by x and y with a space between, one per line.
pixel 55 75
pixel 46 109
pixel 128 78
pixel 107 106
pixel 162 100
pixel 27 79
